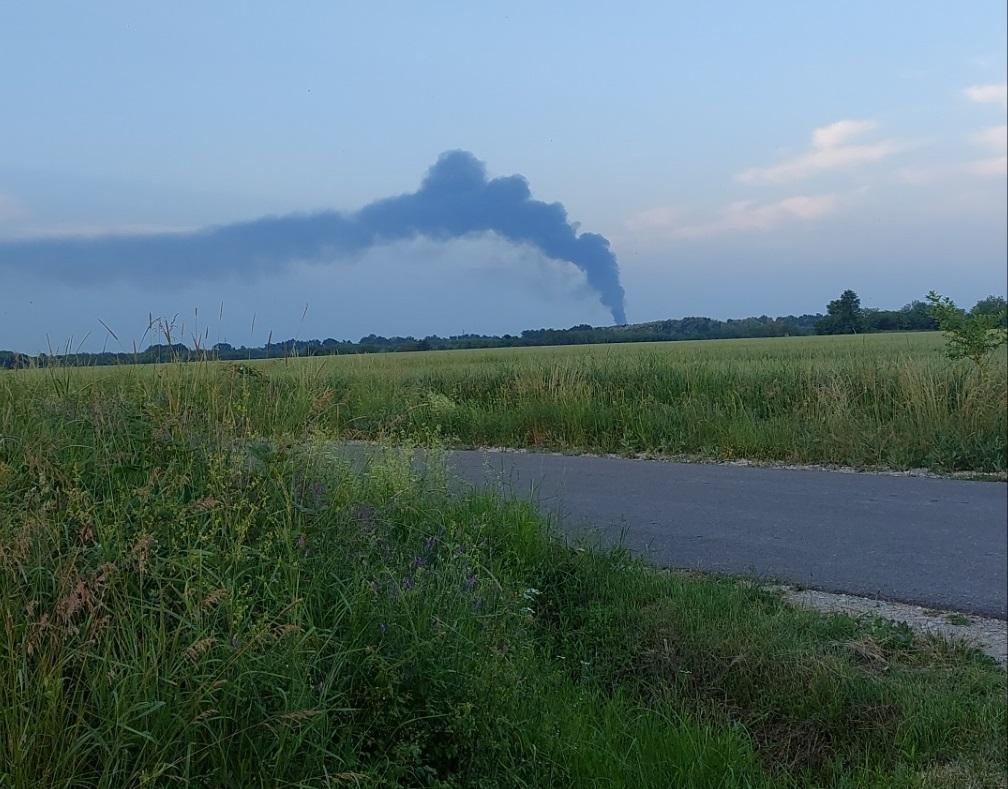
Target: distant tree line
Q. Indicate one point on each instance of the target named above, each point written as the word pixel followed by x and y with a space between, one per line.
pixel 844 315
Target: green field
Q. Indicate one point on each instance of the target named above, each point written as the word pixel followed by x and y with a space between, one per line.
pixel 881 400
pixel 876 400
pixel 195 591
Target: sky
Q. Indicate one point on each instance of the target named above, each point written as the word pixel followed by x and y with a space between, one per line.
pixel 739 159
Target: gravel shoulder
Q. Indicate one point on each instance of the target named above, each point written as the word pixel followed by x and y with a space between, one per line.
pixel 973 476
pixel 988 635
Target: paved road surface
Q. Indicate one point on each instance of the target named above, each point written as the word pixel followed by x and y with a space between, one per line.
pixel 934 542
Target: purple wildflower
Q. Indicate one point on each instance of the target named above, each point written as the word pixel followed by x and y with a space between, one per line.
pixel 470 582
pixel 429 544
pixel 418 562
pixel 407 583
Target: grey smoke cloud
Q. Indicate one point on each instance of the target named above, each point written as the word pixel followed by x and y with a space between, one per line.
pixel 455 199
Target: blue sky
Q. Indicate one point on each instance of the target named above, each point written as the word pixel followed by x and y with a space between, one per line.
pixel 742 158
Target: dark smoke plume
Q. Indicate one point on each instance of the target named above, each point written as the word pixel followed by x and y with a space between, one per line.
pixel 455 199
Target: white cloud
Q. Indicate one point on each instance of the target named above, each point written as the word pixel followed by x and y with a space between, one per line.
pixel 832 149
pixel 840 132
pixel 988 94
pixel 992 166
pixel 994 138
pixel 741 216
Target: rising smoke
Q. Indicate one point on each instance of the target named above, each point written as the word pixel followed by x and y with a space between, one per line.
pixel 454 200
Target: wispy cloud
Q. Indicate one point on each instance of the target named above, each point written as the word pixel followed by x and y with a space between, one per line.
pixel 836 134
pixel 995 163
pixel 990 167
pixel 832 149
pixel 996 139
pixel 989 94
pixel 737 217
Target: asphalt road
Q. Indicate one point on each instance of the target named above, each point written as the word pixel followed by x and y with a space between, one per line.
pixel 934 542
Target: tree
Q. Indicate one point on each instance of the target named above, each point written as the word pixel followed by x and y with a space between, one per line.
pixel 873 320
pixel 844 315
pixel 995 306
pixel 968 335
pixel 916 316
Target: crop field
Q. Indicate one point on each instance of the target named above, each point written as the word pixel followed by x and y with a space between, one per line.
pixel 877 401
pixel 195 590
pixel 880 400
pixel 872 401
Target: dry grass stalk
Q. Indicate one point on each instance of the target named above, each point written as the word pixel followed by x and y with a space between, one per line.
pixel 300 716
pixel 206 715
pixel 205 504
pixel 199 648
pixel 140 551
pixel 213 598
pixel 77 599
pixel 282 631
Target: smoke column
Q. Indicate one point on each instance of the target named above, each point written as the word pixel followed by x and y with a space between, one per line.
pixel 455 199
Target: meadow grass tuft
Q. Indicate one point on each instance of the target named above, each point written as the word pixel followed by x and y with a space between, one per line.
pixel 194 590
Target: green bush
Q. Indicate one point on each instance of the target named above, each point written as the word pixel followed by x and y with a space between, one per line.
pixel 968 335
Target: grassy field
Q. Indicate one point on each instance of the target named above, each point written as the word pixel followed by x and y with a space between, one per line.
pixel 879 400
pixel 888 400
pixel 195 591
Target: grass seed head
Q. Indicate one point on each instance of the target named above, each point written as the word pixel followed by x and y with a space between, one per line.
pixel 199 648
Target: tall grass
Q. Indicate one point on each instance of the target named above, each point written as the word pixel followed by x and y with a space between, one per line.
pixel 194 591
pixel 881 400
pixel 892 401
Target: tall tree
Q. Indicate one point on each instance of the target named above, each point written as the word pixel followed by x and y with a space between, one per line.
pixel 844 315
pixel 994 306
